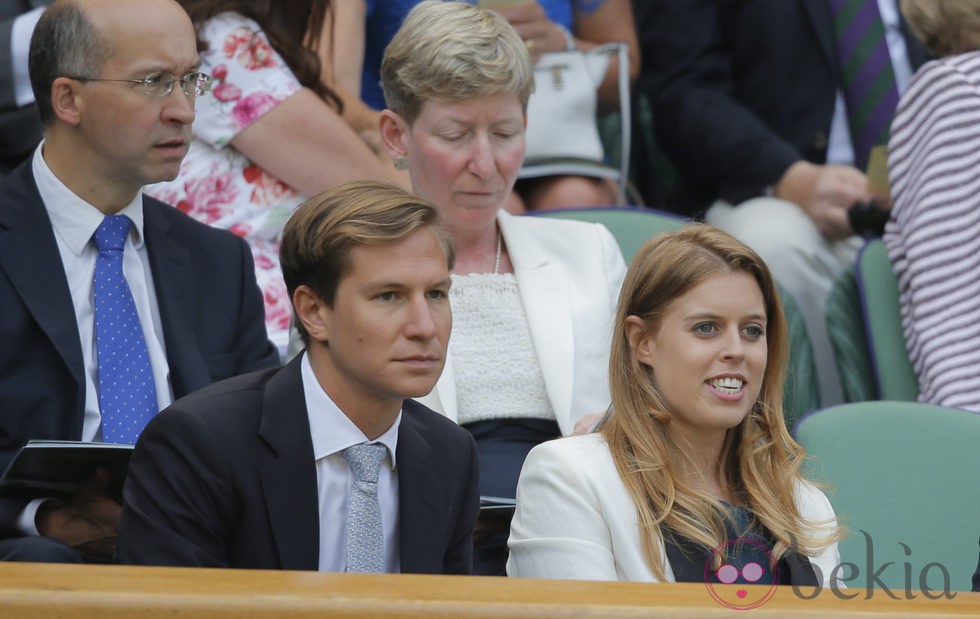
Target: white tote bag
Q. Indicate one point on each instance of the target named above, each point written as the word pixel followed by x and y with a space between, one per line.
pixel 562 136
pixel 562 110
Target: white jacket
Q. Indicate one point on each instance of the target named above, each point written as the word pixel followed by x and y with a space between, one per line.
pixel 569 274
pixel 575 518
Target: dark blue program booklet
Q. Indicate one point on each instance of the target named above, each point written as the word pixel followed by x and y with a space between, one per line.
pixel 56 468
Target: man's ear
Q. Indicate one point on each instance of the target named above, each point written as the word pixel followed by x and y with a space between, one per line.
pixel 313 313
pixel 394 131
pixel 67 100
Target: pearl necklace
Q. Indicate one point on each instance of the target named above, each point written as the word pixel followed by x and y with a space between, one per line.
pixel 496 263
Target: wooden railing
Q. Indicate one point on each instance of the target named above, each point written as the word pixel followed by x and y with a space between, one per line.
pixel 105 591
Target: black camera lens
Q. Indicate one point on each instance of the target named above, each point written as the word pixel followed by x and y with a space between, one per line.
pixel 867 219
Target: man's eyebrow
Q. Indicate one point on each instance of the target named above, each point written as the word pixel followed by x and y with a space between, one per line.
pixel 399 285
pixel 169 68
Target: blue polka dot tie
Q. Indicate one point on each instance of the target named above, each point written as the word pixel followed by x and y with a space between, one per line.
pixel 365 534
pixel 127 393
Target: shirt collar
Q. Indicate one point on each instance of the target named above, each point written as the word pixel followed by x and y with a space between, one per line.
pixel 72 218
pixel 331 430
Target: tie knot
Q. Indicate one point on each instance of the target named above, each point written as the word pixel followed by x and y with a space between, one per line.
pixel 111 233
pixel 365 460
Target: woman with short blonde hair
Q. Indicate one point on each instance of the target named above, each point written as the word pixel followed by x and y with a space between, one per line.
pixel 532 297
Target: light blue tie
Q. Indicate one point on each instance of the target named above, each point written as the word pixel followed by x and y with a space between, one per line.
pixel 127 393
pixel 365 534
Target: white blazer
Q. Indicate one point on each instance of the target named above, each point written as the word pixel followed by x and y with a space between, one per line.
pixel 575 518
pixel 569 274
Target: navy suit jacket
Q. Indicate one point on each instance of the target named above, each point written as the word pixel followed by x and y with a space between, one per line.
pixel 742 89
pixel 226 478
pixel 210 309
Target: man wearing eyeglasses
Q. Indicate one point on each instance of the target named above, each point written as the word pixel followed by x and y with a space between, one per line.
pixel 112 304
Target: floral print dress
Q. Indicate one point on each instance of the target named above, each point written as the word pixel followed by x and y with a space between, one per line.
pixel 219 185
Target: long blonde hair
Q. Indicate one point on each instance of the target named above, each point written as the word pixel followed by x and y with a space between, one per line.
pixel 760 461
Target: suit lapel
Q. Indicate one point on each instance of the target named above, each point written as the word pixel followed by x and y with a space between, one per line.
pixel 545 296
pixel 417 506
pixel 172 267
pixel 288 479
pixel 823 26
pixel 29 256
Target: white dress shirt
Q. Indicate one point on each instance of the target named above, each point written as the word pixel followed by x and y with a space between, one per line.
pixel 332 432
pixel 74 222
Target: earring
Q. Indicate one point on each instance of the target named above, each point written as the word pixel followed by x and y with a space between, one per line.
pixel 401 163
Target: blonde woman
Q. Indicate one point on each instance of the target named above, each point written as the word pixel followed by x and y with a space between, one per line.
pixel 354 50
pixel 532 298
pixel 695 457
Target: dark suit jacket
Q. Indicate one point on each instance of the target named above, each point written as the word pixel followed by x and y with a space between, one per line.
pixel 20 127
pixel 210 308
pixel 226 478
pixel 742 89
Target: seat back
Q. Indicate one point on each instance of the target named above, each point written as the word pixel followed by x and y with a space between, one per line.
pixel 878 288
pixel 801 389
pixel 848 338
pixel 632 227
pixel 903 479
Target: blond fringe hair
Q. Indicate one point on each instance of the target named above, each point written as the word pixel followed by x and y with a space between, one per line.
pixel 760 461
pixel 453 51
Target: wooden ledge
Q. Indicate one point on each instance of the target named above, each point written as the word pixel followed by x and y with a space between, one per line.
pixel 110 591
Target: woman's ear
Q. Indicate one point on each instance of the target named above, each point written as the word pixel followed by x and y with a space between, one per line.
pixel 640 340
pixel 394 134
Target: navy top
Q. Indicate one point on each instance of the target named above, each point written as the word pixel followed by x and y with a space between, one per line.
pixel 747 555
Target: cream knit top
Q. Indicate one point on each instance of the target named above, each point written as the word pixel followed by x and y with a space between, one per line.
pixel 496 368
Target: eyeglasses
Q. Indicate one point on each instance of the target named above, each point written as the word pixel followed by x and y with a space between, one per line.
pixel 194 84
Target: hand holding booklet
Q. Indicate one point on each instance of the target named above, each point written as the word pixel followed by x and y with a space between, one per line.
pixel 56 468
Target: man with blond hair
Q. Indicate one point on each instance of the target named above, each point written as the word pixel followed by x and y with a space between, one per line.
pixel 326 464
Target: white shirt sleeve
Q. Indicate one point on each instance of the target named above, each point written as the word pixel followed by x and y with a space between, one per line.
pixel 20 42
pixel 26 520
